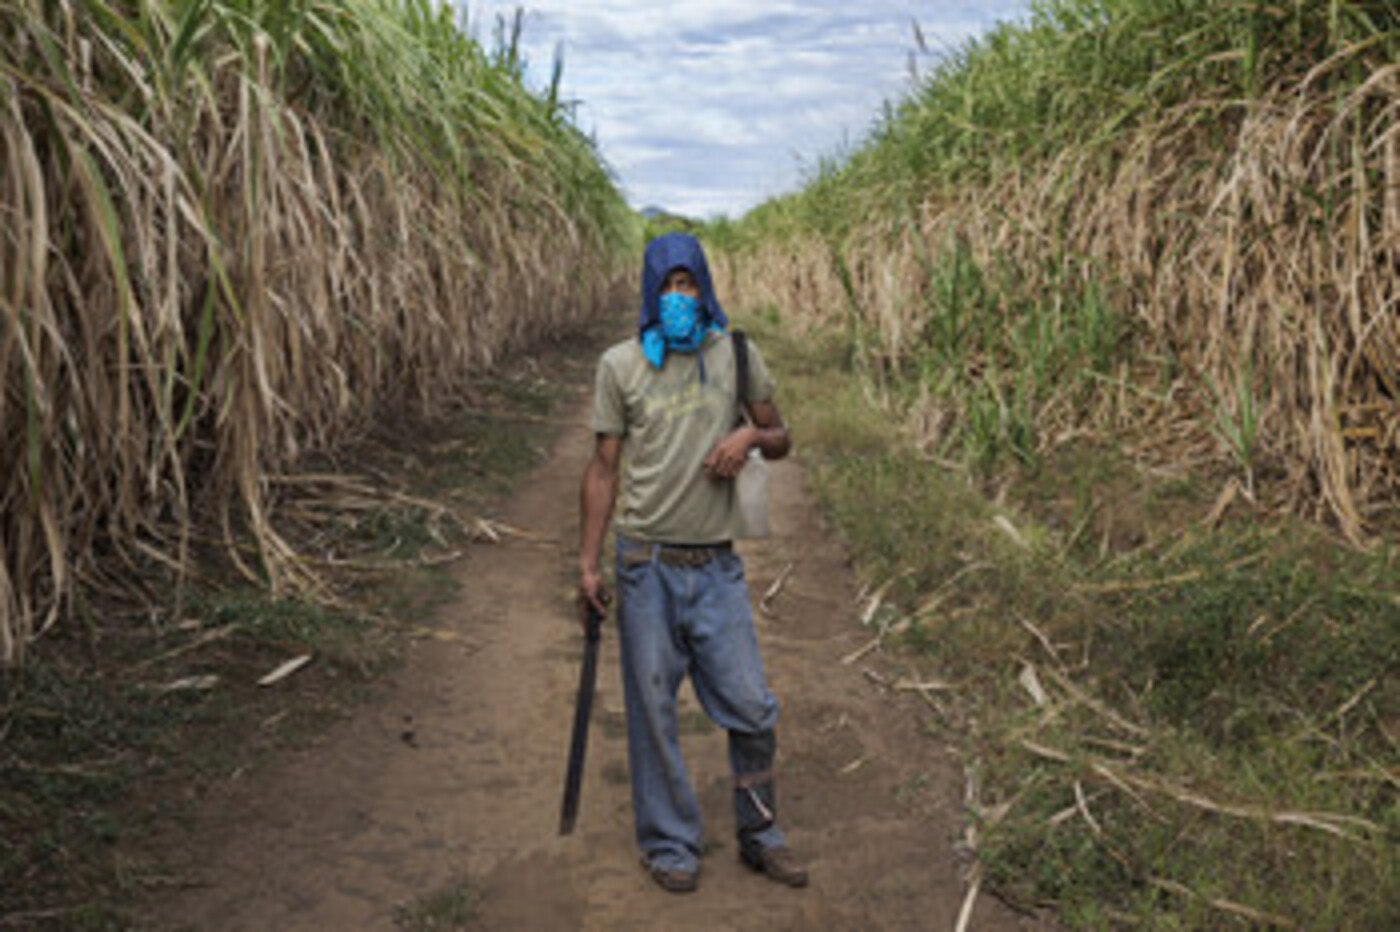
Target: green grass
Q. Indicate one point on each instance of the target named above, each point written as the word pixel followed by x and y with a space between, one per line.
pixel 1238 674
pixel 451 908
pixel 1001 358
pixel 96 759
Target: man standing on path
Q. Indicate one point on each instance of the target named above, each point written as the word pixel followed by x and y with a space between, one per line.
pixel 667 399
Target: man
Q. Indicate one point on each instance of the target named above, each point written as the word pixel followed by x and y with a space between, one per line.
pixel 667 400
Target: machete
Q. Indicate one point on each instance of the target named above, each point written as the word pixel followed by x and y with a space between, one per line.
pixel 583 709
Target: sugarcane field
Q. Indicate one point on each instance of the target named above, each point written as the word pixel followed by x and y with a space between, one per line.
pixel 345 484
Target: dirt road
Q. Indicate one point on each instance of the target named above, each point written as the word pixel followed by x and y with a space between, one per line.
pixel 447 789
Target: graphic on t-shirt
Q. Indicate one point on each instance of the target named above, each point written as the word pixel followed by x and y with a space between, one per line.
pixel 667 402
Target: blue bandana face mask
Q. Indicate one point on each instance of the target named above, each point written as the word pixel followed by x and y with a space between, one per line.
pixel 680 320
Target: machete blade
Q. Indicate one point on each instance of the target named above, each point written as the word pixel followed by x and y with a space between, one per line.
pixel 583 710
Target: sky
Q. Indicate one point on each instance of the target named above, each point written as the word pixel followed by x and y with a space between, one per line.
pixel 709 108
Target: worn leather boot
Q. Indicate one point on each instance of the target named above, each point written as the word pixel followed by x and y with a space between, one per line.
pixel 673 880
pixel 778 864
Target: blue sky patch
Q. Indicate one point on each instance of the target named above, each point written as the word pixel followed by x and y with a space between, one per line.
pixel 710 108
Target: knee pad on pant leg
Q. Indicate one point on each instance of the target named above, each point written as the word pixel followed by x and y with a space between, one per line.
pixel 752 752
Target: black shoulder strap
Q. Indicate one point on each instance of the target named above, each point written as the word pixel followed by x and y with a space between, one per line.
pixel 741 368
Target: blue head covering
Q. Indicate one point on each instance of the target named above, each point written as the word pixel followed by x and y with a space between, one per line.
pixel 663 254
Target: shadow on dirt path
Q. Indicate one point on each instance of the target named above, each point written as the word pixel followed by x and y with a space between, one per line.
pixel 437 805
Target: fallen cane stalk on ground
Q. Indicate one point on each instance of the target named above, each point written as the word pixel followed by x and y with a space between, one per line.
pixel 1165 709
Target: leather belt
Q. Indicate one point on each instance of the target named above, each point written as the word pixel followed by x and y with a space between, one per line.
pixel 682 555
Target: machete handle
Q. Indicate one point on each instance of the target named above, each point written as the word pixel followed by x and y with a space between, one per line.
pixel 593 624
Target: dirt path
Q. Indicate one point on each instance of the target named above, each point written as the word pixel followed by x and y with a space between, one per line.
pixel 452 780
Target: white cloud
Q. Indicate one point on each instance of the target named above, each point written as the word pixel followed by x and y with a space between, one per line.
pixel 712 107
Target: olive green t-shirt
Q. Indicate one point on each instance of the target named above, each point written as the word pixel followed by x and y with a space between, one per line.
pixel 670 420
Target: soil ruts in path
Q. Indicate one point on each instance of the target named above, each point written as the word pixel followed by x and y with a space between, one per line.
pixel 451 780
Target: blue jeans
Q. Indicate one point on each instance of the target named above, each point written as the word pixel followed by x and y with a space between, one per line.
pixel 674 620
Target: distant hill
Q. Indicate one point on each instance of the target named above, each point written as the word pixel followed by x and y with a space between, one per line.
pixel 660 220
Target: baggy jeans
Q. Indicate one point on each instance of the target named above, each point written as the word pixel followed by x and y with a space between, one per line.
pixel 674 620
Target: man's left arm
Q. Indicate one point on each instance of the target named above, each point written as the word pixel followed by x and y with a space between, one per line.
pixel 770 434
